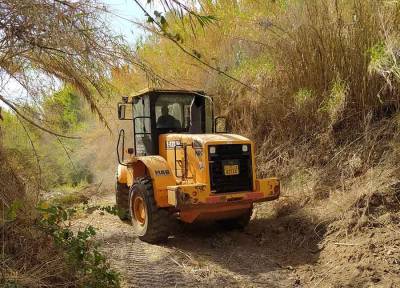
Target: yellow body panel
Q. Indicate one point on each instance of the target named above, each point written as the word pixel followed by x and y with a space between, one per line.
pixel 185 185
pixel 122 176
pixel 193 200
pixel 154 166
pixel 197 159
pixel 187 194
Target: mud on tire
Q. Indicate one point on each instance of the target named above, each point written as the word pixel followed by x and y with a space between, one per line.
pixel 151 224
pixel 122 200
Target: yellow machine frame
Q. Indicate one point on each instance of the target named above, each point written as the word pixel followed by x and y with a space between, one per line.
pixel 180 178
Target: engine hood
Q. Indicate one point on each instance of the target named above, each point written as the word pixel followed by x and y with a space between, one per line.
pixel 202 139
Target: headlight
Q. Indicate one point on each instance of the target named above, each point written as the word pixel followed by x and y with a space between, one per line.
pixel 245 148
pixel 212 150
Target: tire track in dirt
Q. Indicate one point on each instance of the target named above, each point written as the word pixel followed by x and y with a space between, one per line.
pixel 198 256
pixel 296 250
pixel 140 264
pixel 144 267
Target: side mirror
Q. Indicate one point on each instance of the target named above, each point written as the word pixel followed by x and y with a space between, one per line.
pixel 220 125
pixel 121 111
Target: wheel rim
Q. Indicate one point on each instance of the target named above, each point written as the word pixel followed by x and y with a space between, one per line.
pixel 139 210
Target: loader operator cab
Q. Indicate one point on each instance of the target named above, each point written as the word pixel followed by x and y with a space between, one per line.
pixel 183 166
pixel 157 112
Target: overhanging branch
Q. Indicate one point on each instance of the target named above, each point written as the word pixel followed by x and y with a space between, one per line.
pixel 15 109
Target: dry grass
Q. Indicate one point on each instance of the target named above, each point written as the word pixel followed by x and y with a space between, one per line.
pixel 31 259
pixel 28 257
pixel 351 185
pixel 333 68
pixel 11 187
pixel 351 193
pixel 371 196
pixel 325 121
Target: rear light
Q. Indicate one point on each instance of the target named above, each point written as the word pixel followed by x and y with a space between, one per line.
pixel 277 189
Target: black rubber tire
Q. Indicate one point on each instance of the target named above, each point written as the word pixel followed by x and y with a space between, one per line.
pixel 159 223
pixel 237 223
pixel 122 200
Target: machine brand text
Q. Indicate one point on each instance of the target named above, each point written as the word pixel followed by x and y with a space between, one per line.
pixel 172 144
pixel 162 172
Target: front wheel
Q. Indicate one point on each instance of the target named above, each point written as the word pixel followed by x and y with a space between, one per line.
pixel 151 224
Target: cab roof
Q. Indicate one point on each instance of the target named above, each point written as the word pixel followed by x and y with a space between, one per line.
pixel 158 90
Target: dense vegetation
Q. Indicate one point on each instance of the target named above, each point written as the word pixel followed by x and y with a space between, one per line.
pixel 309 65
pixel 314 83
pixel 42 158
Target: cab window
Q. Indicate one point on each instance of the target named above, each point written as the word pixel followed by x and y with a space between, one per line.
pixel 173 112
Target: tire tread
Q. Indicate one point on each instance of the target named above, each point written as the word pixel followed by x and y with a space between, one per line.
pixel 160 222
pixel 122 200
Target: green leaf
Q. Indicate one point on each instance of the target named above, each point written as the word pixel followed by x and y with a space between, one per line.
pixel 164 23
pixel 196 53
pixel 157 14
pixel 12 211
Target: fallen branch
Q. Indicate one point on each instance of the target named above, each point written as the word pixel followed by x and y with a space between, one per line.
pixel 345 244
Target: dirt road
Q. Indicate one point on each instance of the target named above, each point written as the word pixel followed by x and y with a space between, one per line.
pixel 264 255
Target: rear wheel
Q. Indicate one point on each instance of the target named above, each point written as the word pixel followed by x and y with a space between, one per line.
pixel 237 223
pixel 122 200
pixel 151 224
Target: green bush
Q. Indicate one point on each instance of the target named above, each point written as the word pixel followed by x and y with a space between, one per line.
pixel 80 249
pixel 44 159
pixel 80 174
pixel 64 109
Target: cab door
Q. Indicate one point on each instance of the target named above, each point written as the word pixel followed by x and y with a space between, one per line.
pixel 142 126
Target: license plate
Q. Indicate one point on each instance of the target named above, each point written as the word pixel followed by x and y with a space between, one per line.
pixel 230 170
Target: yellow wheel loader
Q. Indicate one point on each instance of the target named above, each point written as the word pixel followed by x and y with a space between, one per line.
pixel 183 165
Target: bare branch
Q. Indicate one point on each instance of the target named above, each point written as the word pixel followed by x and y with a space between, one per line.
pixel 66 152
pixel 14 108
pixel 35 154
